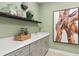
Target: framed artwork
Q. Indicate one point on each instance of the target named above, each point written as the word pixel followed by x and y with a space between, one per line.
pixel 66 26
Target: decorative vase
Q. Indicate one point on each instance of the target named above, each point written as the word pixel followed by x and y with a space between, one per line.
pixel 29 15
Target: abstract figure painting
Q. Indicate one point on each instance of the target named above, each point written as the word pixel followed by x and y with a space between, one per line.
pixel 66 26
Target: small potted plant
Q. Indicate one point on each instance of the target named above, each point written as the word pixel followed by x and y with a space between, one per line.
pixel 23 35
pixel 29 15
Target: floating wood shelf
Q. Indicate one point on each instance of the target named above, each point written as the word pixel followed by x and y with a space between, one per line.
pixel 3 14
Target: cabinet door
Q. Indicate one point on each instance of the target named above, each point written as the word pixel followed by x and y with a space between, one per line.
pixel 35 48
pixel 24 51
pixel 40 47
pixel 44 45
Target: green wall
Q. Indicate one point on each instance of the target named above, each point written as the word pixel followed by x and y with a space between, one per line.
pixel 10 27
pixel 42 12
pixel 46 16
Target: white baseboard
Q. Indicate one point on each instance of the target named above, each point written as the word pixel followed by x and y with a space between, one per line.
pixel 63 52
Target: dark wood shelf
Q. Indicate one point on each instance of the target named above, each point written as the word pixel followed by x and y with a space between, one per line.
pixel 3 14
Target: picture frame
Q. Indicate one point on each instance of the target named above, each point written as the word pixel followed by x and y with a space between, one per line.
pixel 62 31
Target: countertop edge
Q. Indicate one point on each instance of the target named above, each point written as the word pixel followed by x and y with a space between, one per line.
pixel 29 41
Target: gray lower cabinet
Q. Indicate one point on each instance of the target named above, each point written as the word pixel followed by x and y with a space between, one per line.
pixel 23 51
pixel 37 48
pixel 44 45
pixel 40 47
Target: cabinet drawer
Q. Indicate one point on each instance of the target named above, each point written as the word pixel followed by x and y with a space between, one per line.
pixel 24 51
pixel 14 53
pixel 34 43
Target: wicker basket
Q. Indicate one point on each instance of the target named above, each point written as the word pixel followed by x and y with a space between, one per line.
pixel 22 37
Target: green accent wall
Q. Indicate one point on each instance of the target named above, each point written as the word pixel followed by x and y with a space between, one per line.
pixel 46 16
pixel 10 27
pixel 43 12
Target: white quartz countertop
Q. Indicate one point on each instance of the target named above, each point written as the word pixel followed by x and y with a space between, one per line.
pixel 9 44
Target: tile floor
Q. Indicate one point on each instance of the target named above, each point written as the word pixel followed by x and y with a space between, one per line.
pixel 54 52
